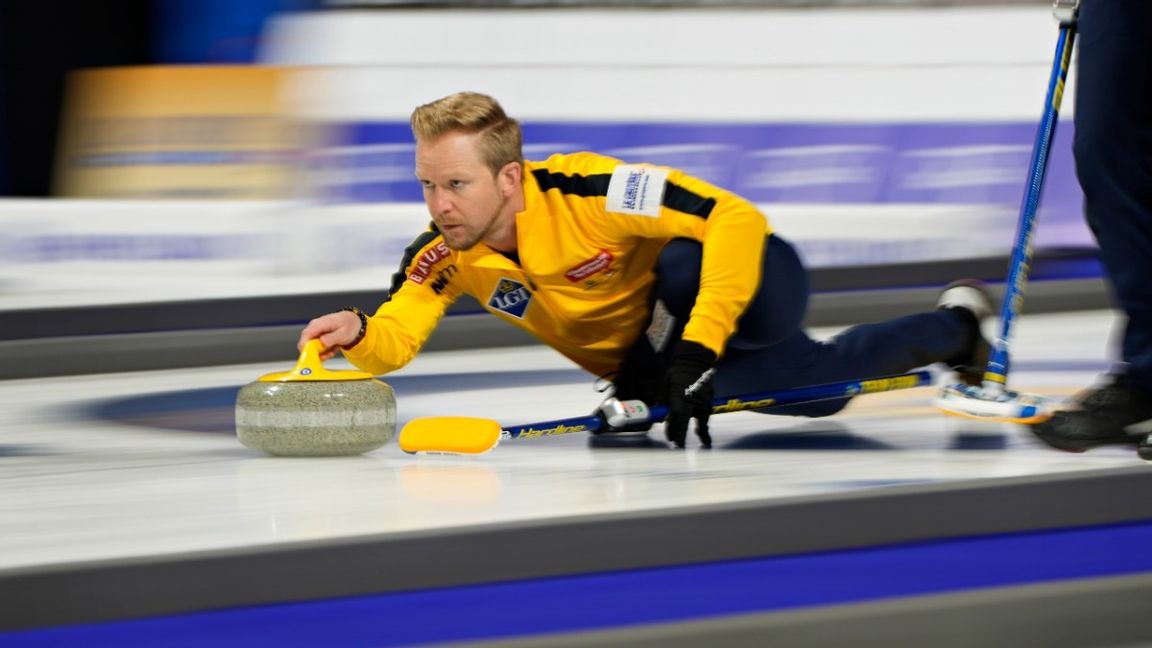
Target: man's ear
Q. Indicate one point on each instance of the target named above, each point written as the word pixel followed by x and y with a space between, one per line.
pixel 510 176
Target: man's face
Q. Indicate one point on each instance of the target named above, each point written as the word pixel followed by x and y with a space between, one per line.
pixel 464 199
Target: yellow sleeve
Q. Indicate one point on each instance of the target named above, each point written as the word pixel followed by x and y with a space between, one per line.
pixel 733 236
pixel 420 295
pixel 660 202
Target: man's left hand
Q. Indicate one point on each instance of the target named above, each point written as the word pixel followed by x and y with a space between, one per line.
pixel 687 392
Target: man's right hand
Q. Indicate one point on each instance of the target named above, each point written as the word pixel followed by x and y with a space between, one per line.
pixel 335 331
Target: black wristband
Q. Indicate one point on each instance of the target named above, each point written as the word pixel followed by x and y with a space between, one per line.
pixel 363 326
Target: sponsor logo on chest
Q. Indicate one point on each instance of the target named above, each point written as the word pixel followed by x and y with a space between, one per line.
pixel 510 297
pixel 599 263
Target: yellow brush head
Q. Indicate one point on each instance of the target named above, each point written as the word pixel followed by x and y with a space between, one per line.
pixel 310 369
pixel 451 435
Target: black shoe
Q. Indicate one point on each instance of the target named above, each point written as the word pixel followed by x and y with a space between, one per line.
pixel 970 296
pixel 1115 413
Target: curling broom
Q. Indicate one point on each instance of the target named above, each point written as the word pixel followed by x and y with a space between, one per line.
pixel 461 435
pixel 992 400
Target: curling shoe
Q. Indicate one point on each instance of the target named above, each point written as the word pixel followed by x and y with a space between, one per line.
pixel 1118 412
pixel 970 297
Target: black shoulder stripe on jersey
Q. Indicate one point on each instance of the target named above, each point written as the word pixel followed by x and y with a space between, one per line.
pixel 409 254
pixel 675 196
pixel 682 200
pixel 584 186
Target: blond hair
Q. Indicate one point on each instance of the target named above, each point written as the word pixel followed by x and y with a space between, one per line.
pixel 471 112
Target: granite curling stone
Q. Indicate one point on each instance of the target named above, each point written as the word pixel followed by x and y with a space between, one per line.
pixel 315 412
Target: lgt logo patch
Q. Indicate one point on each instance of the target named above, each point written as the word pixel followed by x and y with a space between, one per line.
pixel 510 297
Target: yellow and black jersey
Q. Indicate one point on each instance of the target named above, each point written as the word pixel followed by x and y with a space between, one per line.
pixel 588 238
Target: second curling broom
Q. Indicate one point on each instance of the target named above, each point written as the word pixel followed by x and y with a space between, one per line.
pixel 992 400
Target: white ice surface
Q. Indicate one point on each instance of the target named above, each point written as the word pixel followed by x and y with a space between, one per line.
pixel 73 488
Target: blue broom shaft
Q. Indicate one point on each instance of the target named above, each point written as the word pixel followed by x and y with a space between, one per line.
pixel 755 400
pixel 997 370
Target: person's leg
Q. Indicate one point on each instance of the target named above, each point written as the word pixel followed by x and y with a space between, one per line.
pixel 774 315
pixel 775 312
pixel 862 351
pixel 1113 153
pixel 770 349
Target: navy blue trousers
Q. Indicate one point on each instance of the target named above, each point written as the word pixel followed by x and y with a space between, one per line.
pixel 771 350
pixel 1113 152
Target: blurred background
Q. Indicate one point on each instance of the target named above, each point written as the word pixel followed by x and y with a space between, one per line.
pixel 197 178
pixel 185 183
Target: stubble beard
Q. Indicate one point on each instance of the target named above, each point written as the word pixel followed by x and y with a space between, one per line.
pixel 473 238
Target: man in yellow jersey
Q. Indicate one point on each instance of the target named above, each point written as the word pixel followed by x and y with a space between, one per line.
pixel 678 289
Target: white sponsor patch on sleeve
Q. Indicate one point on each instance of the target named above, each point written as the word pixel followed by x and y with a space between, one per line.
pixel 636 190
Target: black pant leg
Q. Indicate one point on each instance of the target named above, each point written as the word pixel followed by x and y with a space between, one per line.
pixel 1113 153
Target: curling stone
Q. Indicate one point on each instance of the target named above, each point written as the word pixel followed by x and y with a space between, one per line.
pixel 311 411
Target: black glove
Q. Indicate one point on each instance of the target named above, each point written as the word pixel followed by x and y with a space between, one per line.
pixel 687 391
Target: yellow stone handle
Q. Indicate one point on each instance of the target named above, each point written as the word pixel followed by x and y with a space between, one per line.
pixel 310 368
pixel 309 360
